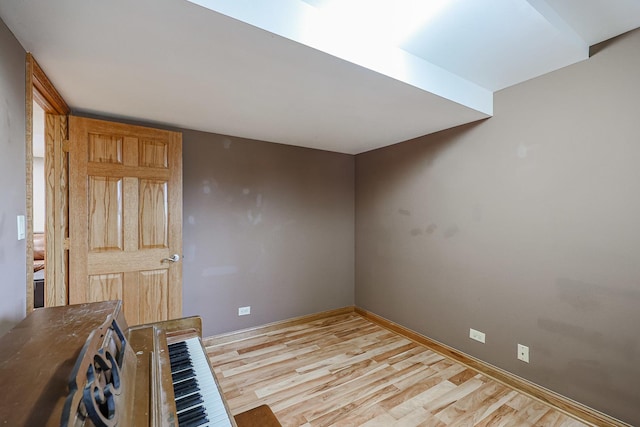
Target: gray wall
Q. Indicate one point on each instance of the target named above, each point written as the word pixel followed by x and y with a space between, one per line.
pixel 525 226
pixel 265 225
pixel 12 179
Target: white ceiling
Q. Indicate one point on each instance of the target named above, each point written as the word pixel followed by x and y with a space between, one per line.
pixel 285 71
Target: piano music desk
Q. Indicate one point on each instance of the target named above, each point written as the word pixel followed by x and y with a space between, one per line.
pixel 83 343
pixel 37 356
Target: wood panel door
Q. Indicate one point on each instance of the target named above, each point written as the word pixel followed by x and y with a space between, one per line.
pixel 125 209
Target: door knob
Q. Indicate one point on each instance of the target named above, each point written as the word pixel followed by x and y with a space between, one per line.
pixel 172 258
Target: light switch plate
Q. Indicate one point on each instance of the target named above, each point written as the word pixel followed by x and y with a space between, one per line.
pixel 21 228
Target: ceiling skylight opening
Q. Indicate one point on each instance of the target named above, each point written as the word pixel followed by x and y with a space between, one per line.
pixel 390 22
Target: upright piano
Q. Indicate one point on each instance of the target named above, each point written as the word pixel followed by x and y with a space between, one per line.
pixel 80 365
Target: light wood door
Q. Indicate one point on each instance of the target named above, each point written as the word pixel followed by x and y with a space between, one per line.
pixel 125 208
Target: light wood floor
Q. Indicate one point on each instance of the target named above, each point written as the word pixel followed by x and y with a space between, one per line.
pixel 347 371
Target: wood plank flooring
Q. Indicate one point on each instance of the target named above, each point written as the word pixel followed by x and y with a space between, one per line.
pixel 347 371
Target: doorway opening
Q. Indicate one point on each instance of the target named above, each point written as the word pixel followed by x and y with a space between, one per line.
pixel 39 210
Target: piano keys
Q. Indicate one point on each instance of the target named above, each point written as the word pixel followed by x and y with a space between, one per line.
pixel 196 392
pixel 81 366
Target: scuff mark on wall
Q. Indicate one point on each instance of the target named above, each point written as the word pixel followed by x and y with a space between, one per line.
pixel 596 339
pixel 416 232
pixel 580 295
pixel 206 187
pixel 451 231
pixel 567 330
pixel 580 290
pixel 254 219
pixel 523 150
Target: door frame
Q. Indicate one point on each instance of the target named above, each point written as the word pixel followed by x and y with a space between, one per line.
pixel 39 88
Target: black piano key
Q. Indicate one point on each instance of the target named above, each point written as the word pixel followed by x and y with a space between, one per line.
pixel 188 384
pixel 184 361
pixel 181 367
pixel 195 423
pixel 179 358
pixel 182 364
pixel 185 388
pixel 177 346
pixel 182 375
pixel 194 420
pixel 175 351
pixel 188 402
pixel 191 415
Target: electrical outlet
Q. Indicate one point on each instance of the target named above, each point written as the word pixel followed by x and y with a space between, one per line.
pixel 243 311
pixel 476 335
pixel 523 353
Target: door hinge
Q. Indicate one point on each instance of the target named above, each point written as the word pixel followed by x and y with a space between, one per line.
pixel 66 244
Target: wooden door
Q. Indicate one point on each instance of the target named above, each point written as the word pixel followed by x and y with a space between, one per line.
pixel 125 209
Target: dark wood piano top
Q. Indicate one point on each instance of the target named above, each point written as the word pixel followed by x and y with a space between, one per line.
pixel 37 357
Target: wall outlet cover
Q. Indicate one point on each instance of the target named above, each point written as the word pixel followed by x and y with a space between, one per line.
pixel 523 353
pixel 243 311
pixel 476 335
